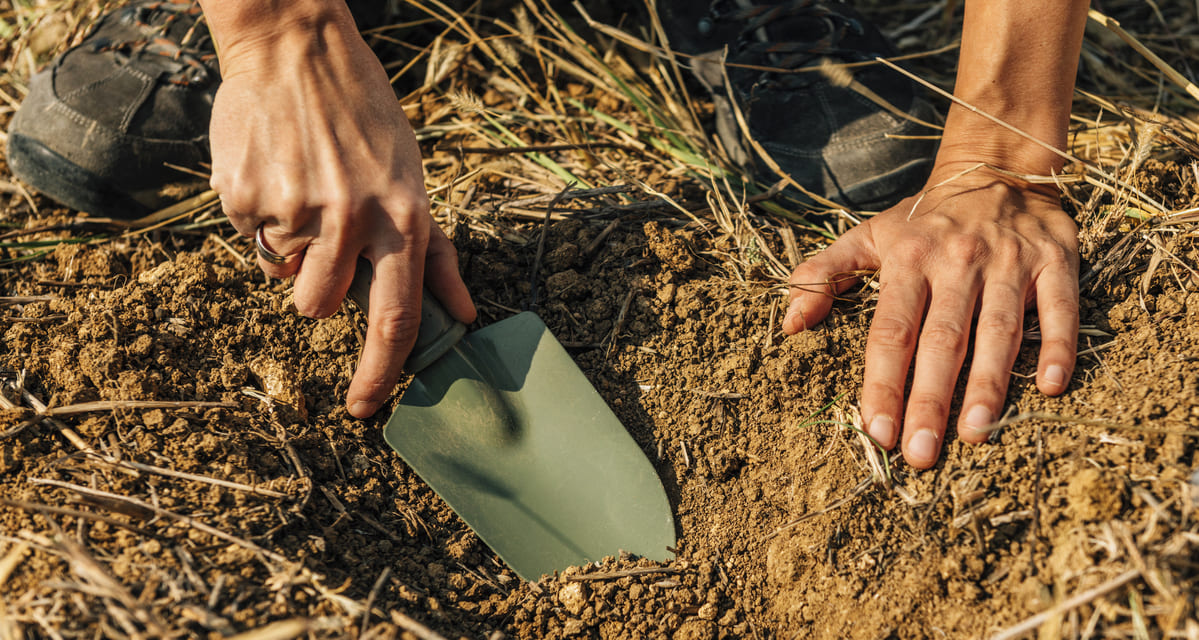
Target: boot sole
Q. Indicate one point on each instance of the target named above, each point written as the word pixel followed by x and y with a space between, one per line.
pixel 54 176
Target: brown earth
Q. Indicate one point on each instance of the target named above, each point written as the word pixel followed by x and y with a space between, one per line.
pixel 784 529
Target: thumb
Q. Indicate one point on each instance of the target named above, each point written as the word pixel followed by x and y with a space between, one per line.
pixel 814 283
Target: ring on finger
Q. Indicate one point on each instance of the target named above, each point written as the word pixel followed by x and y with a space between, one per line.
pixel 265 253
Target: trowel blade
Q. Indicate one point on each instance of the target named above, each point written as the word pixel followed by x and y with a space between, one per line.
pixel 512 435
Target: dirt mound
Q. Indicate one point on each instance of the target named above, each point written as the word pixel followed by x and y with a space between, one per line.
pixel 781 526
pixel 175 459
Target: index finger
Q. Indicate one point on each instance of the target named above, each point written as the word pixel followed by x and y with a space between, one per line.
pixel 889 348
pixel 393 320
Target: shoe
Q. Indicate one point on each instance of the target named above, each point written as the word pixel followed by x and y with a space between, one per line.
pixel 104 127
pixel 828 137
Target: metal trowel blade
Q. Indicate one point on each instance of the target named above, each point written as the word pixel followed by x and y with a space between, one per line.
pixel 512 435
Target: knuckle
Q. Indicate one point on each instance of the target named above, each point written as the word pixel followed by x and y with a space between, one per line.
pixel 405 204
pixel 416 227
pixel 397 329
pixel 1059 305
pixel 227 177
pixel 239 202
pixel 1059 257
pixel 1065 231
pixel 286 206
pixel 1004 324
pixel 417 207
pixel 943 336
pixel 414 231
pixel 1008 251
pixel 892 333
pixel 219 181
pixel 966 248
pixel 340 203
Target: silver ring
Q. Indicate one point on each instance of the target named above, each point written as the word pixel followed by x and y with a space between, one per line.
pixel 265 253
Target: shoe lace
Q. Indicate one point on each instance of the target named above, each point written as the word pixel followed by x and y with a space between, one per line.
pixel 824 29
pixel 172 30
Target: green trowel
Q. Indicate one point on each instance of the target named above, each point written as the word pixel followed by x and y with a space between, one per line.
pixel 503 425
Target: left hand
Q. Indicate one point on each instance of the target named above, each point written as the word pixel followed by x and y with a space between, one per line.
pixel 969 259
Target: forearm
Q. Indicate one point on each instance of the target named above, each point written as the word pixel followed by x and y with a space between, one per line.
pixel 1018 63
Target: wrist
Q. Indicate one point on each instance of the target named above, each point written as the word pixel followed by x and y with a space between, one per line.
pixel 1035 148
pixel 242 26
pixel 976 173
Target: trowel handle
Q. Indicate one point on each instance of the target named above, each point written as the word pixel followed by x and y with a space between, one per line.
pixel 439 331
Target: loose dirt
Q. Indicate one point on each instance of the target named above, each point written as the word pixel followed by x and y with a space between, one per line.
pixel 785 530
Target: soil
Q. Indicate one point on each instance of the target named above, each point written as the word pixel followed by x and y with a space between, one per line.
pixel 784 529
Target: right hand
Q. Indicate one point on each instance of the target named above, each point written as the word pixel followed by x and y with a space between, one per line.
pixel 310 142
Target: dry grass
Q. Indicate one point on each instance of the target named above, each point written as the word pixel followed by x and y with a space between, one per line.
pixel 526 114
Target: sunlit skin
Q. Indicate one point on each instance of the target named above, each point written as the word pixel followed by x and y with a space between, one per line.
pixel 975 252
pixel 309 142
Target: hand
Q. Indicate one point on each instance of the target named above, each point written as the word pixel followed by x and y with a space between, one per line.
pixel 974 253
pixel 309 142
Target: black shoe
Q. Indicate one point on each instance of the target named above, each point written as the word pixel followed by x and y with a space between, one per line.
pixel 103 124
pixel 830 138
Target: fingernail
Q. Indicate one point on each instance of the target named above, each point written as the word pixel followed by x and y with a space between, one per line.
pixel 1055 376
pixel 923 447
pixel 882 429
pixel 362 409
pixel 978 418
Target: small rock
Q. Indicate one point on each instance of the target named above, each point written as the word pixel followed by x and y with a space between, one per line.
pixel 573 627
pixel 157 274
pixel 573 597
pixel 281 382
pixel 668 247
pixel 666 293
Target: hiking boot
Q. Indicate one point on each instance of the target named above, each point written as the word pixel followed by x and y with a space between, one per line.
pixel 830 138
pixel 104 127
